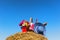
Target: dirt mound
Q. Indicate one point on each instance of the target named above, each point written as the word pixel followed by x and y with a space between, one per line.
pixel 26 36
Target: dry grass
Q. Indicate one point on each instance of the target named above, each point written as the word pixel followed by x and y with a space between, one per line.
pixel 26 36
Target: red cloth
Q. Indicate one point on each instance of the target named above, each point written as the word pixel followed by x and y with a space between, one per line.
pixel 24 29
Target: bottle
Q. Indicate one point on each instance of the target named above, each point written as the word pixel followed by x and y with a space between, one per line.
pixel 31 28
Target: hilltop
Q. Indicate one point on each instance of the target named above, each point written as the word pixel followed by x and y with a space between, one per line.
pixel 26 36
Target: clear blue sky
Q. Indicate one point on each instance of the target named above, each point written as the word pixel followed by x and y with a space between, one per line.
pixel 13 11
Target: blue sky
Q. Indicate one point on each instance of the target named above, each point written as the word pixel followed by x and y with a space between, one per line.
pixel 14 11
